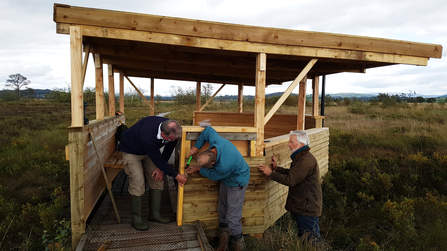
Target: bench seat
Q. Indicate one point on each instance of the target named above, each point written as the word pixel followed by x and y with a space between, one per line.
pixel 115 160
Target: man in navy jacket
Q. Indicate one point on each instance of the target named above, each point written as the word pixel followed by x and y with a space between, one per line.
pixel 144 162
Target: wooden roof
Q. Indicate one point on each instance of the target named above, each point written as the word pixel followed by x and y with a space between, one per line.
pixel 162 47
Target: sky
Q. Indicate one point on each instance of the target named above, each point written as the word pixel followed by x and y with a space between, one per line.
pixel 30 46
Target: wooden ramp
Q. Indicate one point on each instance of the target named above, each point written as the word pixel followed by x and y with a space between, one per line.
pixel 104 232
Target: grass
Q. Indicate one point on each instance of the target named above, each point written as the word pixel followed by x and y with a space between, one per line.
pixel 386 187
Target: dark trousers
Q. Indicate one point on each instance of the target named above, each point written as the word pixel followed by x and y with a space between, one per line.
pixel 231 200
pixel 308 225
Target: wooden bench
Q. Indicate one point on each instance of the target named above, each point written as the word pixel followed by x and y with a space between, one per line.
pixel 115 160
pixel 115 163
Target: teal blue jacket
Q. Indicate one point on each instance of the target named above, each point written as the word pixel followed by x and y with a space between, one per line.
pixel 230 166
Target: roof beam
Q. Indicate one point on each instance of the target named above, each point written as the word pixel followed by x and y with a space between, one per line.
pixel 218 44
pixel 241 33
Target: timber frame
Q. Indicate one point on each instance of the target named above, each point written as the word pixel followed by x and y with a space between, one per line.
pixel 141 45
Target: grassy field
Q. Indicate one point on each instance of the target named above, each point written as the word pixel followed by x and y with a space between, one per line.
pixel 386 189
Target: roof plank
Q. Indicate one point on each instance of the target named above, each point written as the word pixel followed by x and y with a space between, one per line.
pixel 242 33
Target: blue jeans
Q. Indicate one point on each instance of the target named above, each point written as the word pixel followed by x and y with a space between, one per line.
pixel 307 224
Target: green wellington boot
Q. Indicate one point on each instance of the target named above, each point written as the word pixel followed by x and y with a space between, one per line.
pixel 154 206
pixel 137 221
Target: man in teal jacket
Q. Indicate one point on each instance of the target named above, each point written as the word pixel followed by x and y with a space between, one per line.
pixel 229 166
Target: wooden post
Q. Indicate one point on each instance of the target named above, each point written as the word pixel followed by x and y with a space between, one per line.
pixel 121 91
pixel 261 64
pixel 111 91
pixel 315 95
pixel 99 90
pixel 152 97
pixel 198 95
pixel 240 97
pixel 77 96
pixel 75 144
pixel 302 104
pixel 181 170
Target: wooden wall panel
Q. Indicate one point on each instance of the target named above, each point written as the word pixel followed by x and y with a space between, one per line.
pixel 279 124
pixel 201 197
pixel 104 133
pixel 276 194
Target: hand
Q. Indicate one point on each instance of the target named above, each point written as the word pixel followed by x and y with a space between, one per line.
pixel 265 169
pixel 274 164
pixel 193 151
pixel 192 169
pixel 181 179
pixel 158 174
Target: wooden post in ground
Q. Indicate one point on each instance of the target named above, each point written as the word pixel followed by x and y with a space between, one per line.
pixel 261 65
pixel 99 87
pixel 75 137
pixel 121 91
pixel 315 95
pixel 302 104
pixel 240 97
pixel 152 97
pixel 198 95
pixel 111 91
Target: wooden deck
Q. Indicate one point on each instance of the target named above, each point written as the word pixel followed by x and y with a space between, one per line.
pixel 105 233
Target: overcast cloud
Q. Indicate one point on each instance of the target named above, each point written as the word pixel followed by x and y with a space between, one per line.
pixel 30 46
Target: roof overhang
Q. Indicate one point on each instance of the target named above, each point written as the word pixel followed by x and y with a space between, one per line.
pixel 152 46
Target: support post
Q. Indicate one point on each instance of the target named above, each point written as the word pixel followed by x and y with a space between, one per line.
pixel 99 88
pixel 261 65
pixel 198 95
pixel 75 137
pixel 152 97
pixel 121 91
pixel 302 104
pixel 315 95
pixel 77 96
pixel 111 91
pixel 181 170
pixel 75 146
pixel 323 97
pixel 240 97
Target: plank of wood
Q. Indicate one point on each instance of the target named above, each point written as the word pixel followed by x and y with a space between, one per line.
pixel 77 102
pixel 209 43
pixel 242 33
pixel 260 102
pixel 111 81
pixel 78 218
pixel 301 104
pixel 99 87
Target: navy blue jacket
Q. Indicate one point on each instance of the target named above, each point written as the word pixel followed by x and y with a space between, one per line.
pixel 141 139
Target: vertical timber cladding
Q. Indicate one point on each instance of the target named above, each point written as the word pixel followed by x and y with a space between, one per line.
pixel 276 193
pixel 104 133
pixel 201 197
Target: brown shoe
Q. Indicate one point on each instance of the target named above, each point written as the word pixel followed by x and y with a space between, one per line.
pixel 224 238
pixel 239 245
